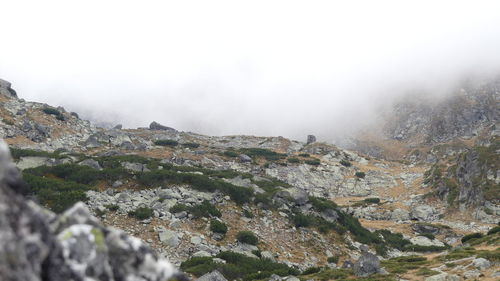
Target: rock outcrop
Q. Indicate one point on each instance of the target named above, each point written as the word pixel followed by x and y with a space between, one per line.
pixel 36 244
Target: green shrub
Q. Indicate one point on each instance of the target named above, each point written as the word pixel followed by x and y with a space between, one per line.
pixel 301 220
pixel 391 240
pixel 191 144
pixel 304 155
pixel 293 160
pixel 247 237
pixel 345 163
pixel 313 162
pixel 230 153
pixel 311 270
pixel 141 213
pixel 428 235
pixel 112 207
pixel 261 152
pixel 401 265
pixel 17 153
pixel 55 112
pixel 238 267
pixel 238 194
pixel 426 249
pixel 360 233
pixel 80 174
pixel 322 204
pixel 334 259
pixel 177 208
pixel 56 194
pixel 248 214
pixel 218 227
pixel 205 209
pixel 166 142
pixel 471 236
pixel 372 200
pixel 360 175
pixel 494 230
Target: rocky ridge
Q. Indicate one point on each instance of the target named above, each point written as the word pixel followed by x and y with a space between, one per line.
pixel 284 176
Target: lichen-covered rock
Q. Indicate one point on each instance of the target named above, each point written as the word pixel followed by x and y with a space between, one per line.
pixel 367 265
pixel 35 244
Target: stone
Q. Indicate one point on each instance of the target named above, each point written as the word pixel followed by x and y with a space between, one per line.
pixel 157 126
pixel 425 228
pixel 245 158
pixel 137 167
pixel 28 162
pixel 471 274
pixel 118 127
pixel 267 255
pixel 202 254
pixel 168 238
pixel 366 265
pixel 400 215
pixel 196 240
pixel 311 139
pixel 291 278
pixel 212 276
pixel 481 263
pixel 424 241
pixel 423 213
pixel 36 244
pixel 117 183
pixel 443 277
pixel 91 163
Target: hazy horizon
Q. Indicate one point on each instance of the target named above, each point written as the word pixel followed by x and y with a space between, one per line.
pixel 229 67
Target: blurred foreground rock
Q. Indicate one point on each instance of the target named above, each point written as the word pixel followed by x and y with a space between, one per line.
pixel 36 244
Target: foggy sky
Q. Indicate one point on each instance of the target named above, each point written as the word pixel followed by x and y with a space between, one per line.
pixel 286 68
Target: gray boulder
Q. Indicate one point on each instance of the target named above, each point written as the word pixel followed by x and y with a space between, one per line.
pixel 36 244
pixel 311 139
pixel 5 89
pixel 91 163
pixel 157 126
pixel 212 276
pixel 245 158
pixel 423 213
pixel 367 265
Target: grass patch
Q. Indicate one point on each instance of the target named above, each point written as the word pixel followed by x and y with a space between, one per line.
pixel 191 145
pixel 17 153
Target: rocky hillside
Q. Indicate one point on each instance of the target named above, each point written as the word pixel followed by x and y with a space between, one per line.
pixel 260 208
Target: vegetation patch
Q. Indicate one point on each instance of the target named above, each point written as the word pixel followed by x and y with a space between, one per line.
pixel 471 236
pixel 56 194
pixel 205 209
pixel 360 175
pixel 141 213
pixel 237 266
pixel 218 227
pixel 345 163
pixel 55 112
pixel 170 143
pixel 401 265
pixel 191 145
pixel 17 153
pixel 267 154
pixel 247 237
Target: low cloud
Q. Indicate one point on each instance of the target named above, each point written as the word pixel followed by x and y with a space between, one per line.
pixel 262 68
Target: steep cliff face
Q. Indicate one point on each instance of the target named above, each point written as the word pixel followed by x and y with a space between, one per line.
pixel 35 244
pixel 470 179
pixel 466 113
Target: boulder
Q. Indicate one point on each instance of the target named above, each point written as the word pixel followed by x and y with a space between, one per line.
pixel 5 89
pixel 443 277
pixel 424 241
pixel 157 126
pixel 36 244
pixel 400 215
pixel 311 139
pixel 91 163
pixel 168 238
pixel 481 263
pixel 423 213
pixel 212 276
pixel 367 265
pixel 245 158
